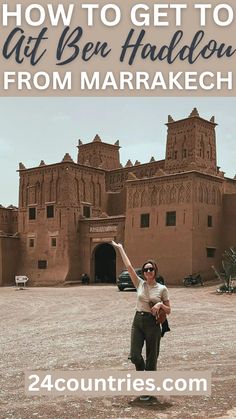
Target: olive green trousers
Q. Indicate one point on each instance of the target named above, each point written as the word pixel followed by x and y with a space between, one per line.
pixel 145 330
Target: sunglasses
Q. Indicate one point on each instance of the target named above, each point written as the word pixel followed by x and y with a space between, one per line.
pixel 148 269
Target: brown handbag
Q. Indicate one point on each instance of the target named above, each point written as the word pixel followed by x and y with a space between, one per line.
pixel 161 316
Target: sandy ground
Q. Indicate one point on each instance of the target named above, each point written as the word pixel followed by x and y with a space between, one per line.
pixel 88 327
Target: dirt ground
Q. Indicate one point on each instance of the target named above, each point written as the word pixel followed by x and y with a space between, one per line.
pixel 88 327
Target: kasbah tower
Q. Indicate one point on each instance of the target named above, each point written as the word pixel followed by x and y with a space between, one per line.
pixel 180 211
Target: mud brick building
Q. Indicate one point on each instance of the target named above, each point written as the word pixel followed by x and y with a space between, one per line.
pixel 180 211
pixel 9 244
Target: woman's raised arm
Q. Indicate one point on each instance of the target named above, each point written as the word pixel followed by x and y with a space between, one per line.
pixel 127 263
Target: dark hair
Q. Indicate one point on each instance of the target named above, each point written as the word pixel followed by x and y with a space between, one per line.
pixel 153 263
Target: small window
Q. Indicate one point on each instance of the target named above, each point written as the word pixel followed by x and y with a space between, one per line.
pixel 171 218
pixel 42 264
pixel 209 221
pixel 53 242
pixel 32 213
pixel 31 242
pixel 184 153
pixel 211 251
pixel 144 220
pixel 175 155
pixel 50 211
pixel 86 211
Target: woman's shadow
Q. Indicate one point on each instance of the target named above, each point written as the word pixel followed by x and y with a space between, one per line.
pixel 152 404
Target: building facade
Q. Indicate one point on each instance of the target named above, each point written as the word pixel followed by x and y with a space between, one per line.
pixel 179 211
pixel 9 244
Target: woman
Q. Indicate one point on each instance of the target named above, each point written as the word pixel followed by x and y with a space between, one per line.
pixel 151 297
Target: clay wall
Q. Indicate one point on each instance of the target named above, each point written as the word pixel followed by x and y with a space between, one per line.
pixel 9 258
pixel 8 220
pixel 228 233
pixel 115 179
pixel 207 224
pixel 170 245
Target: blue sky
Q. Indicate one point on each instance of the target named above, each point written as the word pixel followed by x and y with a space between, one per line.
pixel 35 129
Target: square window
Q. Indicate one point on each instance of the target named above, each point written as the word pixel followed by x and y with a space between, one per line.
pixel 42 264
pixel 86 211
pixel 32 213
pixel 144 220
pixel 53 242
pixel 211 251
pixel 209 221
pixel 50 211
pixel 31 242
pixel 171 218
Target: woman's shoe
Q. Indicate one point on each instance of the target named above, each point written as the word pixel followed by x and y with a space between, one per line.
pixel 145 398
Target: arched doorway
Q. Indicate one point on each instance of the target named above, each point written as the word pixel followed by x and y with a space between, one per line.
pixel 105 263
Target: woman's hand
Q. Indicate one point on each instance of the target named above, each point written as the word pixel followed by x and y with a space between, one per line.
pixel 155 309
pixel 118 245
pixel 164 305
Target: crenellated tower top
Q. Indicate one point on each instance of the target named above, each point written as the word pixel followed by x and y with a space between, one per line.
pixel 99 154
pixel 191 142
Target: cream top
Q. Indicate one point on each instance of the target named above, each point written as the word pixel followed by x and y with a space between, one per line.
pixel 154 293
